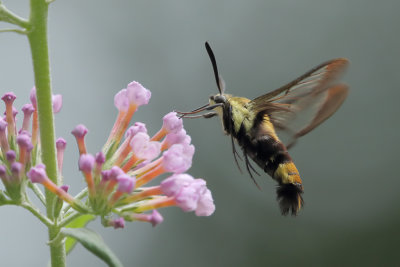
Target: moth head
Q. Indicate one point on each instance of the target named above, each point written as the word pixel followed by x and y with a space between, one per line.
pixel 218 99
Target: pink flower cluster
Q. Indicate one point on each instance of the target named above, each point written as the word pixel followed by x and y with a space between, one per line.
pixel 117 178
pixel 19 148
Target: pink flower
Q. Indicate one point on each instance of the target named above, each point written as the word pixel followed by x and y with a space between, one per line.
pixel 138 127
pixel 137 94
pixel 143 148
pixel 9 97
pixel 178 158
pixel 171 123
pixel 190 194
pixel 178 137
pixel 28 109
pixel 121 100
pixel 205 206
pixel 187 198
pixel 173 184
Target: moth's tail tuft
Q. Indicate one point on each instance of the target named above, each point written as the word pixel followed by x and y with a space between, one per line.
pixel 289 198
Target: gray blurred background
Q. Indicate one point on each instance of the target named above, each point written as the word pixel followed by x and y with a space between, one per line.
pixel 348 165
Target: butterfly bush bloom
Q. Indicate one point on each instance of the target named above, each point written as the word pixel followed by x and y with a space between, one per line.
pixel 133 176
pixel 19 148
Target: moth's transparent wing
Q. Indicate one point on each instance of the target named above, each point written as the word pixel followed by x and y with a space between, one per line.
pixel 300 106
pixel 307 113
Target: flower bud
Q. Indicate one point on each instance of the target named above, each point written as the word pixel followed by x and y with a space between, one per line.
pixel 155 218
pixel 125 183
pixel 86 162
pixel 10 156
pixel 37 174
pixel 79 131
pixel 57 103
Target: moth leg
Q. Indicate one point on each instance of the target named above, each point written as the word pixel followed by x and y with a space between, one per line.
pixel 229 130
pixel 249 168
pixel 210 115
pixel 205 115
pixel 236 154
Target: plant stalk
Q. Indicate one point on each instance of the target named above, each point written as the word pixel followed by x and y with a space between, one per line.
pixel 37 36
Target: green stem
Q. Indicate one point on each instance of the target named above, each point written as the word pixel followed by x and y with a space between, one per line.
pixel 37 36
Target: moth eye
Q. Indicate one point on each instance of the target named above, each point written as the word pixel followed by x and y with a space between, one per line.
pixel 219 99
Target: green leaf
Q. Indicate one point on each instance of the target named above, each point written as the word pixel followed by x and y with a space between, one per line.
pixel 79 222
pixel 94 243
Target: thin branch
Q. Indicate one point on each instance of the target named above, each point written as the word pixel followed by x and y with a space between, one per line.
pixel 82 194
pixel 14 30
pixel 37 192
pixel 35 211
pixel 79 196
pixel 10 17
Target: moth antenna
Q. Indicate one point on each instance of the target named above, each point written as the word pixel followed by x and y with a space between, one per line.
pixel 220 82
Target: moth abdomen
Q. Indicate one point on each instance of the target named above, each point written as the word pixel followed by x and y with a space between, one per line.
pixel 289 198
pixel 272 156
pixel 268 147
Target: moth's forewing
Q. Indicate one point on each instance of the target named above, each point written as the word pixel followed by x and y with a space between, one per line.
pixel 300 106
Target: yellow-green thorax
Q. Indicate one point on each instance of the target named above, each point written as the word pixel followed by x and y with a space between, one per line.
pixel 240 114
